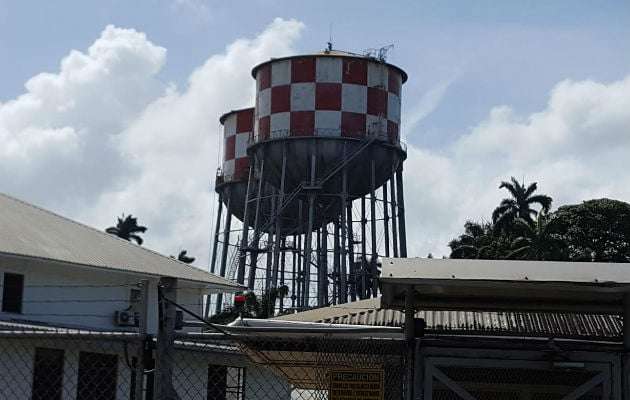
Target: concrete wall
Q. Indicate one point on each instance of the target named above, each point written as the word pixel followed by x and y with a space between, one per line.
pixel 85 297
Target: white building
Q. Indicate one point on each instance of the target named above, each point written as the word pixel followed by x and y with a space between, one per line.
pixel 63 284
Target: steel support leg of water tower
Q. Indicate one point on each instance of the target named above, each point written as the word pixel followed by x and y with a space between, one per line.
pixel 351 263
pixel 336 263
pixel 294 275
pixel 299 254
pixel 242 253
pixel 373 284
pixel 386 220
pixel 283 244
pixel 392 183
pixel 323 267
pixel 300 275
pixel 225 246
pixel 401 212
pixel 253 251
pixel 309 237
pixel 268 261
pixel 363 285
pixel 343 273
pixel 217 229
pixel 270 253
pixel 318 268
pixel 278 217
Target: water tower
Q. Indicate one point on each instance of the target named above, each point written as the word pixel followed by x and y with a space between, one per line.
pixel 325 187
pixel 231 185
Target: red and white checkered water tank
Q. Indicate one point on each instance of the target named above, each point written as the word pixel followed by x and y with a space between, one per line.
pixel 328 94
pixel 238 126
pixel 231 180
pixel 326 106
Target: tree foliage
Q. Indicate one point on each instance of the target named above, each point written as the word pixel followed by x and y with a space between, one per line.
pixel 520 204
pixel 596 230
pixel 127 228
pixel 185 258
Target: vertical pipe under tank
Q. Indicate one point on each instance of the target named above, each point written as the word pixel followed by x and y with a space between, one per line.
pixel 294 275
pixel 394 215
pixel 225 246
pixel 253 249
pixel 309 237
pixel 278 217
pixel 283 245
pixel 351 262
pixel 373 284
pixel 336 264
pixel 385 220
pixel 323 267
pixel 401 212
pixel 217 229
pixel 242 254
pixel 363 285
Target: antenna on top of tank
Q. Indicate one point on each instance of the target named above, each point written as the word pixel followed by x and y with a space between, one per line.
pixel 382 52
pixel 329 44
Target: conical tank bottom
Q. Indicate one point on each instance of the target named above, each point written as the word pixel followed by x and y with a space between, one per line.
pixel 330 155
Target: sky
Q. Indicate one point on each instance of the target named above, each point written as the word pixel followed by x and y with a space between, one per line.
pixel 112 106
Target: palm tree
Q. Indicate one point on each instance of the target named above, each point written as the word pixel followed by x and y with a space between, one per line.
pixel 183 257
pixel 519 206
pixel 127 228
pixel 479 240
pixel 537 240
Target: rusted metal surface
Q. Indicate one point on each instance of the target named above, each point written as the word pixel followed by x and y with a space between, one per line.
pixel 565 325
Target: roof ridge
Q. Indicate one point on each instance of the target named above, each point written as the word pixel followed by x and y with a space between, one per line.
pixel 103 233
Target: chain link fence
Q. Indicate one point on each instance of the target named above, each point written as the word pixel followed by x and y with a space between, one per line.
pixel 56 364
pixel 303 368
pixel 61 364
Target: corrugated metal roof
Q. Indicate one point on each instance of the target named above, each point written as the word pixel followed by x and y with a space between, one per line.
pixel 505 285
pixel 453 270
pixel 369 312
pixel 30 231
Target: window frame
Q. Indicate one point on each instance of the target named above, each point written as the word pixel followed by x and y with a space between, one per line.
pixel 10 305
pixel 231 392
pixel 44 382
pixel 88 386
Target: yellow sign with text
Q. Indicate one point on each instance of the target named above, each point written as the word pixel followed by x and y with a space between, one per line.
pixel 356 384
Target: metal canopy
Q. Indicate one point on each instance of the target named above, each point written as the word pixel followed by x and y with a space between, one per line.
pixel 505 285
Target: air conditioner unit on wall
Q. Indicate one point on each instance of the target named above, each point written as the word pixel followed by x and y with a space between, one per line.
pixel 127 318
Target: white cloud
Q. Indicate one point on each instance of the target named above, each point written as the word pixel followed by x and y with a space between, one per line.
pixel 174 146
pixel 577 148
pixel 104 136
pixel 57 148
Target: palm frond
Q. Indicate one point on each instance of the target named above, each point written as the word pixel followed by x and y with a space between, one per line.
pixel 512 255
pixel 530 190
pixel 543 200
pixel 136 238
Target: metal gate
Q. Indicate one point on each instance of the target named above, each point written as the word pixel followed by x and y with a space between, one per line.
pixel 449 378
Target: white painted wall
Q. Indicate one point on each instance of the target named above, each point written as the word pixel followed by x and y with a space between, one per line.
pixel 78 296
pixel 190 376
pixel 190 370
pixel 17 362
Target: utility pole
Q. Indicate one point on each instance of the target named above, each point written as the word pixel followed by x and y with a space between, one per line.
pixel 167 290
